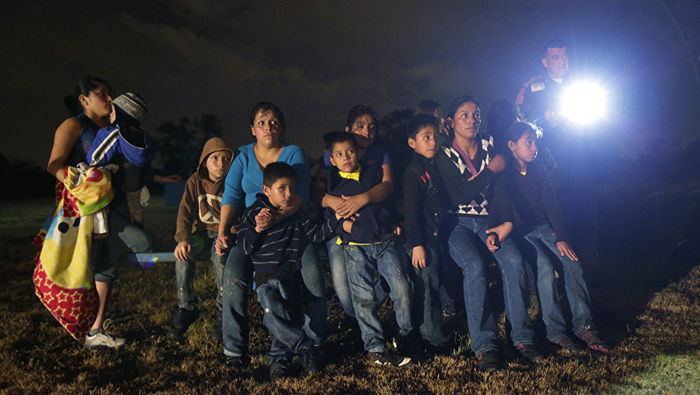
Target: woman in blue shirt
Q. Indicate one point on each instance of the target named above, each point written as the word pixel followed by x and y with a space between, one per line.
pixel 244 181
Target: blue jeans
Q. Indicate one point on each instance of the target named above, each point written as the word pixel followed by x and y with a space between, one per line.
pixel 122 233
pixel 185 271
pixel 364 265
pixel 238 278
pixel 465 242
pixel 339 275
pixel 336 259
pixel 427 308
pixel 280 299
pixel 542 241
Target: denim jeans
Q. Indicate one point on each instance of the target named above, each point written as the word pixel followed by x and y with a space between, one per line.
pixel 336 260
pixel 185 271
pixel 542 243
pixel 238 278
pixel 465 242
pixel 122 233
pixel 427 308
pixel 339 275
pixel 280 299
pixel 364 265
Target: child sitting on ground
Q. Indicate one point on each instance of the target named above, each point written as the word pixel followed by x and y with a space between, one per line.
pixel 197 230
pixel 424 204
pixel 276 250
pixel 370 250
pixel 542 227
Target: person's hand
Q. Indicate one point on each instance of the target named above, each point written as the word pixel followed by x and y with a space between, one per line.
pixel 502 231
pixel 565 249
pixel 497 163
pixel 182 250
pixel 221 244
pixel 347 225
pixel 398 231
pixel 418 259
pixel 492 242
pixel 263 220
pixel 167 179
pixel 351 205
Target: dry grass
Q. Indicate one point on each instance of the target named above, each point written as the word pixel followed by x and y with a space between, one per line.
pixel 653 324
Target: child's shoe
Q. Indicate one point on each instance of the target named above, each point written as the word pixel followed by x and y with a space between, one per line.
pixel 488 361
pixel 390 358
pixel 311 360
pixel 237 362
pixel 529 352
pixel 103 339
pixel 182 319
pixel 278 370
pixel 567 344
pixel 590 336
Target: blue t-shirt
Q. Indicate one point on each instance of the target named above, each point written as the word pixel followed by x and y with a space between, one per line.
pixel 245 178
pixel 376 155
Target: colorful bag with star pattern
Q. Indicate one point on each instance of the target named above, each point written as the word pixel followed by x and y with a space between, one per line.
pixel 63 276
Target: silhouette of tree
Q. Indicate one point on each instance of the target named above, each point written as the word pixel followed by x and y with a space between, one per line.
pixel 178 151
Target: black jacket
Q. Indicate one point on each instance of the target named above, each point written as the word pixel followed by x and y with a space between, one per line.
pixel 424 204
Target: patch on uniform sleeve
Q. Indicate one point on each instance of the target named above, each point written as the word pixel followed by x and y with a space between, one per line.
pixel 537 87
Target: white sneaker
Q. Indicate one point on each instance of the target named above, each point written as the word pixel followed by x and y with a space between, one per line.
pixel 103 339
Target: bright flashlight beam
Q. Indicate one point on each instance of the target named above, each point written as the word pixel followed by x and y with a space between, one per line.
pixel 584 102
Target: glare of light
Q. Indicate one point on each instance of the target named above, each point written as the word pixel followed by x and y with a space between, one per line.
pixel 584 102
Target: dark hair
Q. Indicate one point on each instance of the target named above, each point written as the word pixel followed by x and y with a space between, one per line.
pixel 427 107
pixel 358 111
pixel 264 107
pixel 457 103
pixel 340 137
pixel 502 115
pixel 418 122
pixel 519 129
pixel 84 86
pixel 555 43
pixel 276 171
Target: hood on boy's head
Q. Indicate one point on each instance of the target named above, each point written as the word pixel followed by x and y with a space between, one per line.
pixel 214 144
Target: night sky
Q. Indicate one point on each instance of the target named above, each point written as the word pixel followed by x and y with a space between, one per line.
pixel 316 59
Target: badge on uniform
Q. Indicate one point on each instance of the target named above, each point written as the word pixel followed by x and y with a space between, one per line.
pixel 537 87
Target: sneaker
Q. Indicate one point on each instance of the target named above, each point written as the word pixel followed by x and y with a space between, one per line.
pixel 278 370
pixel 311 360
pixel 182 319
pixel 567 344
pixel 488 361
pixel 103 339
pixel 432 350
pixel 389 358
pixel 529 352
pixel 590 336
pixel 237 362
pixel 407 345
pixel 217 333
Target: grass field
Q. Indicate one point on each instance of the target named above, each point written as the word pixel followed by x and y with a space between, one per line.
pixel 648 310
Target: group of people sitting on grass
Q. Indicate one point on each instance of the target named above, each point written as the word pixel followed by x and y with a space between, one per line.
pixel 463 208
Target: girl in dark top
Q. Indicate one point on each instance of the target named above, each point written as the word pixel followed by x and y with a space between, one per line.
pixel 540 223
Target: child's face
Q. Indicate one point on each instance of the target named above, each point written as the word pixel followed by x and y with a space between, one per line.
pixel 466 121
pixel 525 149
pixel 344 157
pixel 426 142
pixel 267 129
pixel 218 163
pixel 364 129
pixel 281 192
